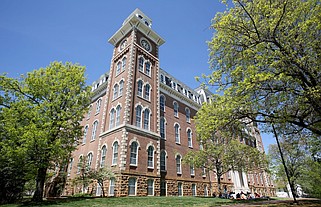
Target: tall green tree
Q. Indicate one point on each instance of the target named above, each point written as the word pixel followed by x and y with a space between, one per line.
pixel 222 148
pixel 51 102
pixel 304 168
pixel 266 59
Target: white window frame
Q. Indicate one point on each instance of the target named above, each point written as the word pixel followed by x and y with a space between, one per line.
pixel 180 189
pixel 188 115
pixel 118 68
pixel 103 156
pixel 147 89
pixel 133 159
pixel 148 69
pixel 138 120
pixel 111 191
pixel 115 153
pixel 150 155
pixel 189 138
pixel 178 160
pixel 123 65
pixel 163 128
pixel 194 189
pixel 132 186
pixel 118 109
pixel 98 104
pixel 152 187
pixel 176 108
pixel 192 170
pixel 140 88
pixel 141 61
pixel 94 131
pixel 146 121
pixel 121 88
pixel 165 161
pixel 84 139
pixel 177 133
pixel 112 118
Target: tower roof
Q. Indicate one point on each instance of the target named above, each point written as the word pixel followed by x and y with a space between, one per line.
pixel 140 21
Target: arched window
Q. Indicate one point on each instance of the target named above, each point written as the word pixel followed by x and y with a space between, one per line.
pixel 132 186
pixel 147 91
pixel 150 160
pixel 147 68
pixel 192 170
pixel 178 164
pixel 141 64
pixel 112 118
pixel 93 135
pixel 146 119
pixel 140 88
pixel 162 127
pixel 118 115
pixel 116 88
pixel 162 103
pixel 163 161
pixel 180 189
pixel 138 116
pixel 175 109
pixel 133 153
pixel 121 87
pixel 177 135
pixel 85 134
pixel 71 160
pixel 118 68
pixel 89 160
pixel 89 111
pixel 189 138
pixel 80 163
pixel 188 115
pixel 124 63
pixel 103 156
pixel 98 104
pixel 115 153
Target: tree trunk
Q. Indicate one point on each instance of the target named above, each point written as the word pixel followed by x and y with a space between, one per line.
pixel 219 184
pixel 102 188
pixel 40 183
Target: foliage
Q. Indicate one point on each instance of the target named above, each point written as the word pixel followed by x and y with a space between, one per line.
pixel 100 175
pixel 304 170
pixel 221 150
pixel 42 113
pixel 266 60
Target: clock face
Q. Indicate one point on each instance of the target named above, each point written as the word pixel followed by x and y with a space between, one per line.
pixel 145 45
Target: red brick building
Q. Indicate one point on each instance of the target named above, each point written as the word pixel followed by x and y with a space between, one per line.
pixel 140 125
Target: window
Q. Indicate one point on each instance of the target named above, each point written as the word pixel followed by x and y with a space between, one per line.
pixel 93 135
pixel 162 103
pixel 203 171
pixel 180 189
pixel 80 163
pixel 138 116
pixel 162 78
pixel 89 111
pixel 133 153
pixel 146 119
pixel 147 68
pixel 140 88
pixel 112 118
pixel 85 135
pixel 132 186
pixel 103 156
pixel 192 170
pixel 205 191
pixel 118 68
pixel 150 187
pixel 176 109
pixel 116 88
pixel 124 63
pixel 118 115
pixel 115 153
pixel 141 64
pixel 189 138
pixel 98 104
pixel 163 161
pixel 70 166
pixel 150 162
pixel 121 87
pixel 162 127
pixel 89 160
pixel 147 91
pixel 188 115
pixel 193 189
pixel 178 164
pixel 112 186
pixel 177 135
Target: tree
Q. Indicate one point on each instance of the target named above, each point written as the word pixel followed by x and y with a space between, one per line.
pixel 221 149
pixel 49 104
pixel 266 59
pixel 303 169
pixel 101 175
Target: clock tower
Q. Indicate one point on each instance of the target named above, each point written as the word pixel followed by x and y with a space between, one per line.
pixel 131 111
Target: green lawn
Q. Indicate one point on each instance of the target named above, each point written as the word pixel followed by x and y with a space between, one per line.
pixel 143 202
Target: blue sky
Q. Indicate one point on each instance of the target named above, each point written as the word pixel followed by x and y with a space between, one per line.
pixel 34 33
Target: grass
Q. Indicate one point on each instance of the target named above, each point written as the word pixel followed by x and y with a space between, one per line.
pixel 149 202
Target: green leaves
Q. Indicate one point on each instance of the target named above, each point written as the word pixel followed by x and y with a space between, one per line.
pixel 42 112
